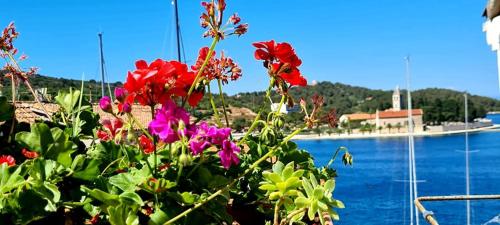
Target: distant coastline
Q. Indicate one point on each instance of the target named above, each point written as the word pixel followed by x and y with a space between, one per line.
pixel 494 127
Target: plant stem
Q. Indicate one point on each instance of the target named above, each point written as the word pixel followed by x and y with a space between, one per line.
pixel 214 108
pixel 11 132
pixel 200 71
pixel 221 95
pixel 257 118
pixel 154 144
pixel 134 120
pixel 291 215
pixel 233 182
pixel 26 82
pixel 277 211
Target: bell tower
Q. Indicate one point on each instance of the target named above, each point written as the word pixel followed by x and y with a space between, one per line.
pixel 396 100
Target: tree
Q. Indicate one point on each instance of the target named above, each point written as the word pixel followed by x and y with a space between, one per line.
pixel 379 128
pixel 389 127
pixel 398 126
pixel 239 124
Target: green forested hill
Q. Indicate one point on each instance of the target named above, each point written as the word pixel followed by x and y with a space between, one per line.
pixel 53 85
pixel 438 104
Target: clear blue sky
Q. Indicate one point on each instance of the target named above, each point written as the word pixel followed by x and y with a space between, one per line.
pixel 355 42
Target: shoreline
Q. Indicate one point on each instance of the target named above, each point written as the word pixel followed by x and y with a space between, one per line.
pixel 494 127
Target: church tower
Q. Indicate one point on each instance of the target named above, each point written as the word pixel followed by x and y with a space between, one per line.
pixel 396 100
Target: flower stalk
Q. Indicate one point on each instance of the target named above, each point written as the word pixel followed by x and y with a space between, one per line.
pixel 200 71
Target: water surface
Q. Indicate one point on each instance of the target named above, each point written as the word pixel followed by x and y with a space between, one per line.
pixel 374 189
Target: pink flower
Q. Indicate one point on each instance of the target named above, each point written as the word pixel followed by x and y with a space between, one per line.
pixel 105 104
pixel 205 136
pixel 167 122
pixel 7 159
pixel 228 154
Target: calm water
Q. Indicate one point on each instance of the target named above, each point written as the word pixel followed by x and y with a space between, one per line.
pixel 374 189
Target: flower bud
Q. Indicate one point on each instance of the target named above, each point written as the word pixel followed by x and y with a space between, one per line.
pixel 126 108
pixel 105 104
pixel 184 159
pixel 120 94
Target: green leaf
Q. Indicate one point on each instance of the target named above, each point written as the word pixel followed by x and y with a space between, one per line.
pixel 301 202
pixel 288 171
pixel 158 218
pixel 109 199
pixel 189 198
pixel 318 193
pixel 307 187
pixel 293 182
pixel 273 177
pixel 268 187
pixel 329 185
pixel 131 198
pixel 67 100
pixel 38 139
pixel 6 109
pixel 298 173
pixel 90 172
pixel 322 206
pixel 9 181
pixel 126 181
pixel 278 167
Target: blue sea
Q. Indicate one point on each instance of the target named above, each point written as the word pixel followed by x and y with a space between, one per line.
pixel 375 189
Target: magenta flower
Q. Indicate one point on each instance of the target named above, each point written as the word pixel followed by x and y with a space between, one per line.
pixel 120 94
pixel 205 136
pixel 228 154
pixel 126 107
pixel 167 120
pixel 105 104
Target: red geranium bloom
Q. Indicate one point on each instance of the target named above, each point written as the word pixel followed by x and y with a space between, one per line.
pixel 29 154
pixel 146 144
pixel 156 83
pixel 281 61
pixel 7 159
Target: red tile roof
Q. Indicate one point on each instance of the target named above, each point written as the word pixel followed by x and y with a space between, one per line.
pixel 360 116
pixel 399 114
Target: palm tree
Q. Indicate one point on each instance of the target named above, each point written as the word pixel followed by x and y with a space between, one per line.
pixel 379 128
pixel 398 126
pixel 389 127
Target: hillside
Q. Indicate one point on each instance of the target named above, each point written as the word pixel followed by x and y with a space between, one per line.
pixel 439 104
pixel 53 85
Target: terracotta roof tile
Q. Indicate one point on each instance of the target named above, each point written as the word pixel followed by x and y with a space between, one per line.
pixel 399 114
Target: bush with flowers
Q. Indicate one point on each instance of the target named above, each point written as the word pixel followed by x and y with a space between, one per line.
pixel 75 168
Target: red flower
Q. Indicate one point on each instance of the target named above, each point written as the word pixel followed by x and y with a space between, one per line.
pixel 146 144
pixel 103 135
pixel 281 61
pixel 29 154
pixel 7 159
pixel 156 83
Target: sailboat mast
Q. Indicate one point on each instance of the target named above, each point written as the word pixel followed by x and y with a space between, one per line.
pixel 102 64
pixel 411 147
pixel 467 183
pixel 177 31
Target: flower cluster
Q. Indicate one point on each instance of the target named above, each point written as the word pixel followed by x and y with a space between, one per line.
pixel 212 19
pixel 146 144
pixel 113 129
pixel 8 36
pixel 171 124
pixel 11 71
pixel 281 61
pixel 223 68
pixel 29 154
pixel 9 160
pixel 160 81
